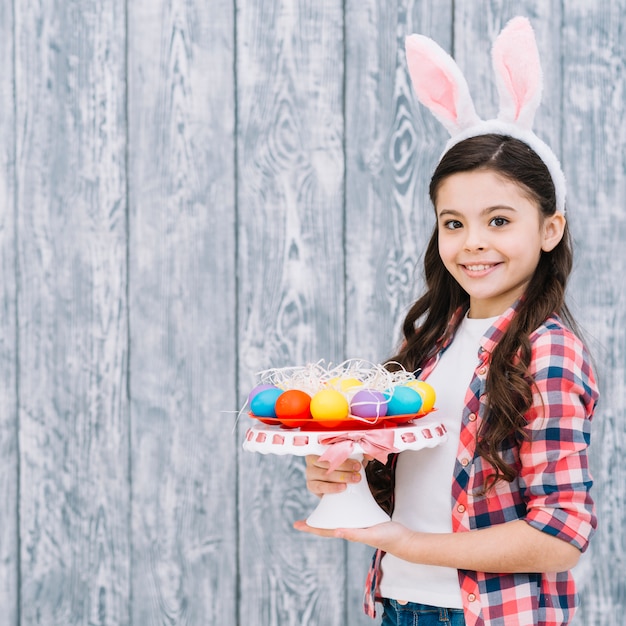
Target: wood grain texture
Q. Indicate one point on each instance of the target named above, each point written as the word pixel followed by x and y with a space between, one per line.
pixel 9 468
pixel 71 180
pixel 594 136
pixel 291 295
pixel 276 166
pixel 182 316
pixel 392 146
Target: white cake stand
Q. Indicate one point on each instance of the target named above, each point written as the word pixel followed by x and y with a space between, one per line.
pixel 355 507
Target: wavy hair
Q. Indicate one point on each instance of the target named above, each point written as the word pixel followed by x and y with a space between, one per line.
pixel 509 385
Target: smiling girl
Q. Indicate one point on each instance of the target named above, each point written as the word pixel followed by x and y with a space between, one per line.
pixel 486 527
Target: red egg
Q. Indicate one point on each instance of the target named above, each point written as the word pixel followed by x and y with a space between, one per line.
pixel 293 405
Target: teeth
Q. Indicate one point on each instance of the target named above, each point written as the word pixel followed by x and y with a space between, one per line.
pixel 477 268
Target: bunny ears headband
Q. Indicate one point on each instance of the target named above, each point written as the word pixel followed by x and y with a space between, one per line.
pixel 441 87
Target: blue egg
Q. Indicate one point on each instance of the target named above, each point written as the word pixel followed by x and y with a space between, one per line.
pixel 263 404
pixel 403 401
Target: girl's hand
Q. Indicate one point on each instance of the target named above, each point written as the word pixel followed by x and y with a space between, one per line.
pixel 319 482
pixel 390 536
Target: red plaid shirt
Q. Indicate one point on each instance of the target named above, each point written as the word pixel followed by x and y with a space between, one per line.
pixel 551 491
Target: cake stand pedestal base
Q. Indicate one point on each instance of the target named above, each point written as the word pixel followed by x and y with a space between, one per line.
pixel 353 508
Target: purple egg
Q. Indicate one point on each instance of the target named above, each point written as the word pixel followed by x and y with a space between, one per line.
pixel 257 390
pixel 369 403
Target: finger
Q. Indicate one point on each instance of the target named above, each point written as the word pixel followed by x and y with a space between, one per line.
pixel 349 534
pixel 349 465
pixel 320 483
pixel 348 472
pixel 321 487
pixel 336 476
pixel 311 459
pixel 302 526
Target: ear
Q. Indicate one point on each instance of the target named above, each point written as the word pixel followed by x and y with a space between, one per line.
pixel 439 84
pixel 553 229
pixel 518 73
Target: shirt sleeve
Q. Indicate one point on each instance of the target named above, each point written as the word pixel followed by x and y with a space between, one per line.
pixel 555 477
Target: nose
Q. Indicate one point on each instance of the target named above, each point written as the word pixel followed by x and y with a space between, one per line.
pixel 474 239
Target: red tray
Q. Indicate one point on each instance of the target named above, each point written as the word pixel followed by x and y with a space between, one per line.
pixel 352 423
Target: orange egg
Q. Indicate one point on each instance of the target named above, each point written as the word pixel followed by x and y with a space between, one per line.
pixel 329 407
pixel 293 405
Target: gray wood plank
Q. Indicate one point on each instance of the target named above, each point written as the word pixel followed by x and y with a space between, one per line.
pixel 9 531
pixel 74 491
pixel 291 293
pixel 182 316
pixel 392 146
pixel 595 166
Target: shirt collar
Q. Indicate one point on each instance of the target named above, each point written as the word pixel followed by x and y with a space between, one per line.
pixel 491 338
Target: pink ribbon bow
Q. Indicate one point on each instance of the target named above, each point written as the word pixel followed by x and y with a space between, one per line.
pixel 377 444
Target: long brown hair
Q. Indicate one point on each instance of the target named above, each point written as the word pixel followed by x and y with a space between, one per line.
pixel 509 384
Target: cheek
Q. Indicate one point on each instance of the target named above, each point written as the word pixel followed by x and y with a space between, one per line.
pixel 526 249
pixel 447 250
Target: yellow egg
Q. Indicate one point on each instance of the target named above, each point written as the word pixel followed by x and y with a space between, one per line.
pixel 344 384
pixel 426 391
pixel 349 383
pixel 329 407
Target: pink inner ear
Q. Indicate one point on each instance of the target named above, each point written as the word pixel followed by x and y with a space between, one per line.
pixel 517 88
pixel 440 93
pixel 516 60
pixel 434 88
pixel 522 87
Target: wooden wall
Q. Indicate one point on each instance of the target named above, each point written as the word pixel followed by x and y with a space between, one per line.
pixel 195 190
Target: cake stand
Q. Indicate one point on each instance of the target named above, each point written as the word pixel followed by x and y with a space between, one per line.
pixel 355 507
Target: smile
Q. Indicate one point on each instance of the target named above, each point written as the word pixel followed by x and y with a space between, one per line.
pixel 478 268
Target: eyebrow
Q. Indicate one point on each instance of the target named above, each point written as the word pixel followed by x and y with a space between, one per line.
pixel 486 211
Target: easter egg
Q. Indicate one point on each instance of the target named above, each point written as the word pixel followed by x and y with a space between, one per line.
pixel 293 405
pixel 257 390
pixel 329 407
pixel 427 393
pixel 344 384
pixel 403 401
pixel 369 403
pixel 264 402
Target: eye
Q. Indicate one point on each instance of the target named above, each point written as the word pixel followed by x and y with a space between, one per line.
pixel 498 221
pixel 452 224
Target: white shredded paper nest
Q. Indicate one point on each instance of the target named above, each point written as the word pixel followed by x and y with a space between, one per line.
pixel 314 377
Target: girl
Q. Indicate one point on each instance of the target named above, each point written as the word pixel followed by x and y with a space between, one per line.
pixel 486 527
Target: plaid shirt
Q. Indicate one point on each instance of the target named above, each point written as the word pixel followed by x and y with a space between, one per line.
pixel 551 491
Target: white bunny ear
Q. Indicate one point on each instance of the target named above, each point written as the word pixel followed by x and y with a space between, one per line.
pixel 439 84
pixel 518 73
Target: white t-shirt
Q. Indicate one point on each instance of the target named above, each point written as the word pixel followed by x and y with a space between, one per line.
pixel 424 478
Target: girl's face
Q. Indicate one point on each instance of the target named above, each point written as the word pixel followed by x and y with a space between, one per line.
pixel 491 234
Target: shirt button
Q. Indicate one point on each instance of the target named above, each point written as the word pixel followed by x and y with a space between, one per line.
pixel 460 508
pixel 472 417
pixel 482 370
pixel 464 462
pixel 471 597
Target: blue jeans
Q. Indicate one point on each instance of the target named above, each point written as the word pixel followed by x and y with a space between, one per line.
pixel 414 614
